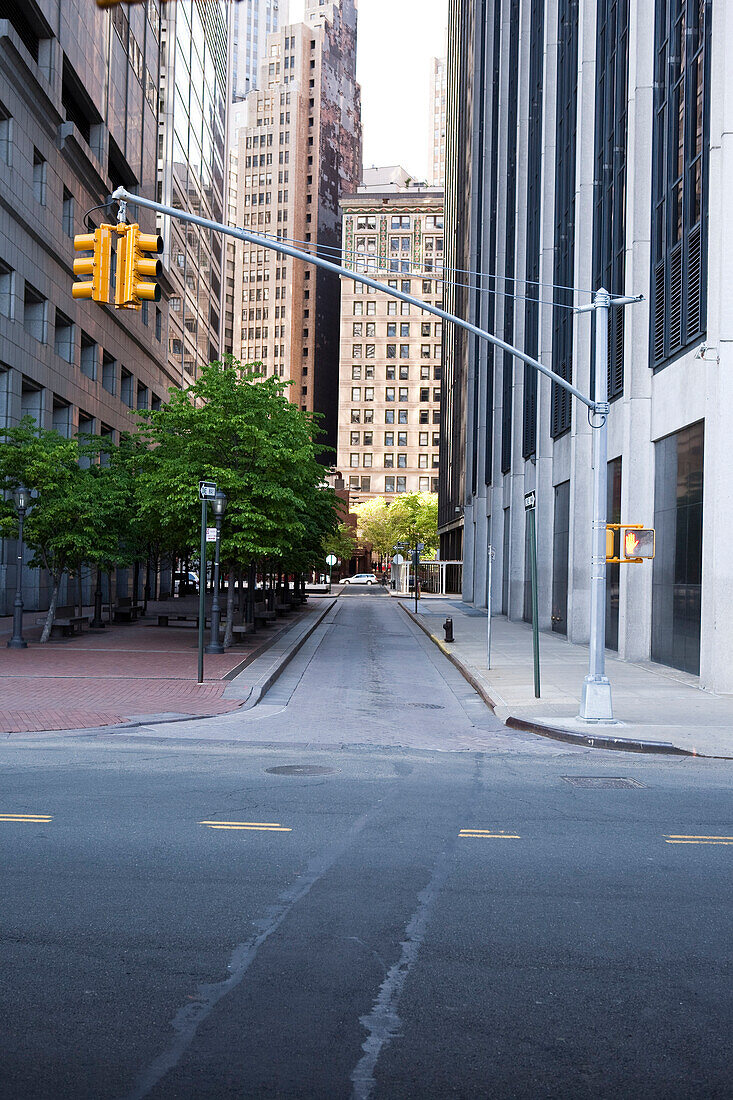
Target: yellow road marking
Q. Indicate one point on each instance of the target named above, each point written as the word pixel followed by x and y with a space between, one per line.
pixel 262 824
pixel 25 817
pixel 711 841
pixel 489 835
pixel 254 828
pixel 694 836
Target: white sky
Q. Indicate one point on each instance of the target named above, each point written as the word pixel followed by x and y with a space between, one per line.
pixel 396 40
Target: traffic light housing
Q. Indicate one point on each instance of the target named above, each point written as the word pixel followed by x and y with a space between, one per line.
pixel 637 543
pixel 135 269
pixel 98 265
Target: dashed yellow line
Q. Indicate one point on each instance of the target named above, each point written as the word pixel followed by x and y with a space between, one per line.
pixel 691 838
pixel 26 818
pixel 489 834
pixel 251 826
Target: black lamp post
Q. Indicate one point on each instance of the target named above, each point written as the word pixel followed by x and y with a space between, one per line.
pixel 219 504
pixel 97 622
pixel 22 503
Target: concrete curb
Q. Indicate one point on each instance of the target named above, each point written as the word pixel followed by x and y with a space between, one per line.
pixel 589 740
pixel 260 689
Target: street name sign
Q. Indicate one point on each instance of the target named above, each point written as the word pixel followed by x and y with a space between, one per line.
pixel 207 490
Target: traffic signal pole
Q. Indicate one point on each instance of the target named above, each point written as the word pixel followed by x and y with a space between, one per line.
pixel 596 695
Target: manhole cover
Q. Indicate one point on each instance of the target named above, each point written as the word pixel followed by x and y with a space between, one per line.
pixel 600 781
pixel 300 769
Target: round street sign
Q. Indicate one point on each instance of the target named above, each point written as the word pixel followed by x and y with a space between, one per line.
pixel 398 559
pixel 331 559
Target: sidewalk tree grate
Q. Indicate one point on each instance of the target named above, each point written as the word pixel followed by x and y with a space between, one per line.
pixel 300 769
pixel 597 782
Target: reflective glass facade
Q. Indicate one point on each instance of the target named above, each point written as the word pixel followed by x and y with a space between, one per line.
pixel 192 177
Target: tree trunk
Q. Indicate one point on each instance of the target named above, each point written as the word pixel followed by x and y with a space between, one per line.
pixel 51 611
pixel 79 592
pixel 228 633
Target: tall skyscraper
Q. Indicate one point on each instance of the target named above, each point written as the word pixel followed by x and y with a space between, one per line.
pixel 193 175
pixel 298 152
pixel 438 93
pixel 78 117
pixel 390 371
pixel 252 22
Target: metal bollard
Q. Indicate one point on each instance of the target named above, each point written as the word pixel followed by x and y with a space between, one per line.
pixel 448 628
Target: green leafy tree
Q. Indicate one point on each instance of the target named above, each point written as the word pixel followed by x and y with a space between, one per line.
pixel 237 429
pixel 74 517
pixel 376 525
pixel 342 543
pixel 415 519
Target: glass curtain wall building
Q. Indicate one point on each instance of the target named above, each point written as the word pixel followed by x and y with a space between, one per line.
pixel 614 177
pixel 195 96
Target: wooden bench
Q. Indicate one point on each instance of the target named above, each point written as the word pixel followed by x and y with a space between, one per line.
pixel 262 616
pixel 242 628
pixel 65 622
pixel 126 611
pixel 167 618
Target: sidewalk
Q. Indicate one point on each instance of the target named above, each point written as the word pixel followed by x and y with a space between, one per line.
pixel 132 672
pixel 658 709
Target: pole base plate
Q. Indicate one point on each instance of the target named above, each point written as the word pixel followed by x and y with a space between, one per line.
pixel 595 701
pixel 212 648
pixel 17 643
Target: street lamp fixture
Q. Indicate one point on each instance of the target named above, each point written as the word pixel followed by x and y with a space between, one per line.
pixel 219 504
pixel 22 498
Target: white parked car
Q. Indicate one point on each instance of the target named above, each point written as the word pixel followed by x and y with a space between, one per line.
pixel 362 578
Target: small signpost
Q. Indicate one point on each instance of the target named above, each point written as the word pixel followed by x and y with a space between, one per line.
pixel 207 491
pixel 331 560
pixel 529 507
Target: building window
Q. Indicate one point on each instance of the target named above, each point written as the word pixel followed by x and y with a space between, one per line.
pixel 422 462
pixel 389 416
pixel 404 373
pixel 356 416
pixel 401 439
pixel 354 460
pixel 34 313
pixel 403 393
pixel 402 416
pixel 366 460
pixel 68 214
pixel 109 372
pixel 369 393
pixel 564 238
pixel 609 222
pixel 7 290
pixel 39 178
pixel 389 393
pixel 6 135
pixel 424 484
pixel 389 439
pixel 404 351
pixel 534 205
pixel 356 372
pixel 679 177
pixel 423 439
pixel 401 484
pixel 356 393
pixel 424 393
pixel 402 461
pixel 63 337
pixel 389 484
pixel 355 439
pixel 388 461
pixel 391 351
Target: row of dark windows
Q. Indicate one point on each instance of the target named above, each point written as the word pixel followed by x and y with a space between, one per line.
pixel 679 211
pixel 511 237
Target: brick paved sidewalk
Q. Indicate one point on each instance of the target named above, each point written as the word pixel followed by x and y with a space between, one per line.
pixel 120 673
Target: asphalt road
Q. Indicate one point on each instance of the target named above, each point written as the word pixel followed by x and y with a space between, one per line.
pixel 407 923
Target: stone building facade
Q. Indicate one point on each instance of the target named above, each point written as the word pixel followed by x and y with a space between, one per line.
pixel 390 360
pixel 299 151
pixel 589 145
pixel 79 115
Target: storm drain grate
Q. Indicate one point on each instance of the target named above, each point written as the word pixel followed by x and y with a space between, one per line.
pixel 300 769
pixel 596 782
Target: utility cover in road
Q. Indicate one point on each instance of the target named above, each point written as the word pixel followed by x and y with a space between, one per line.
pixel 207 490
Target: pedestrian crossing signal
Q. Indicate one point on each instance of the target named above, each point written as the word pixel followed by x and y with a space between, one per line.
pixel 637 543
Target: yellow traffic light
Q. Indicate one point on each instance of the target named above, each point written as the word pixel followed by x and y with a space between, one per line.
pixel 98 265
pixel 134 268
